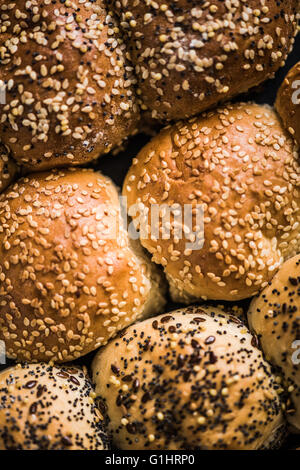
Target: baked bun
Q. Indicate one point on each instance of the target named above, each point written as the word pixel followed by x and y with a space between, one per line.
pixel 275 317
pixel 189 379
pixel 288 102
pixel 242 168
pixel 69 281
pixel 69 87
pixel 49 408
pixel 190 55
pixel 8 168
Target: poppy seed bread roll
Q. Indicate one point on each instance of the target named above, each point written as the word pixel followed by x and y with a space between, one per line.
pixel 70 276
pixel 189 379
pixel 190 55
pixel 241 168
pixel 275 317
pixel 69 87
pixel 43 407
pixel 288 102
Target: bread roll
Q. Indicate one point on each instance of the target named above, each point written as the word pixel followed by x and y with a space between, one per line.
pixel 49 408
pixel 190 55
pixel 8 168
pixel 275 317
pixel 69 87
pixel 241 167
pixel 288 102
pixel 189 379
pixel 70 280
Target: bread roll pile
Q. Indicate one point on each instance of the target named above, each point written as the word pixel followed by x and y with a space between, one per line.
pixel 87 275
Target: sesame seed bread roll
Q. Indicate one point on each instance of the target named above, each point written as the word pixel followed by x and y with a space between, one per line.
pixel 8 168
pixel 44 407
pixel 69 87
pixel 190 55
pixel 288 102
pixel 70 280
pixel 275 317
pixel 239 165
pixel 189 379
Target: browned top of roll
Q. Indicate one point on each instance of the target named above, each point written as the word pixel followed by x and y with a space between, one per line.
pixel 189 55
pixel 240 165
pixel 69 87
pixel 288 102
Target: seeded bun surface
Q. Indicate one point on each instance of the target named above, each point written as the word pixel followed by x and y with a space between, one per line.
pixel 275 317
pixel 189 55
pixel 8 168
pixel 188 379
pixel 242 168
pixel 288 102
pixel 49 408
pixel 68 283
pixel 69 87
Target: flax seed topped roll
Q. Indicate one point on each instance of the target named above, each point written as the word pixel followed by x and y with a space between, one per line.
pixel 8 168
pixel 288 102
pixel 275 317
pixel 70 276
pixel 49 408
pixel 240 166
pixel 190 54
pixel 69 86
pixel 189 379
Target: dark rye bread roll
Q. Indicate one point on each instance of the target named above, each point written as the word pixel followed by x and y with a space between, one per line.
pixel 189 379
pixel 69 87
pixel 8 168
pixel 190 54
pixel 240 166
pixel 70 276
pixel 275 317
pixel 288 102
pixel 43 407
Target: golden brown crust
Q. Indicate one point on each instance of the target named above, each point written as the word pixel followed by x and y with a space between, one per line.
pixel 189 379
pixel 240 165
pixel 70 89
pixel 68 283
pixel 8 168
pixel 275 318
pixel 49 408
pixel 288 102
pixel 190 55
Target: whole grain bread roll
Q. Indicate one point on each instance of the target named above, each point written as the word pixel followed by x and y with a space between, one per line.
pixel 189 379
pixel 288 102
pixel 45 407
pixel 69 86
pixel 275 317
pixel 190 55
pixel 70 276
pixel 238 166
